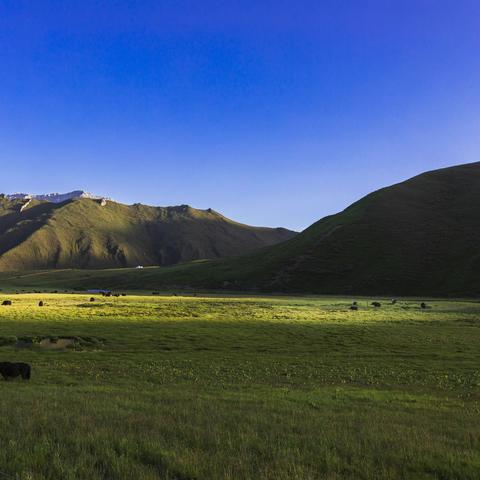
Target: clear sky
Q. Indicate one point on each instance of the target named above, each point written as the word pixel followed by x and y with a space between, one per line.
pixel 272 112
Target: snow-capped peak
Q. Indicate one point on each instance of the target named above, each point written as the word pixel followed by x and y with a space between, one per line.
pixel 54 197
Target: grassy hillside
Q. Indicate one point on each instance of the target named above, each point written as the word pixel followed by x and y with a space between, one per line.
pixel 253 388
pixel 417 237
pixel 82 233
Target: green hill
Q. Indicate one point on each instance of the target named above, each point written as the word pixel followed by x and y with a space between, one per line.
pixel 87 233
pixel 418 237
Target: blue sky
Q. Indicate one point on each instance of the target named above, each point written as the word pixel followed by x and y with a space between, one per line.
pixel 273 112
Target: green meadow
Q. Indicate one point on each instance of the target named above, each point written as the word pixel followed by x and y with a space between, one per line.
pixel 240 387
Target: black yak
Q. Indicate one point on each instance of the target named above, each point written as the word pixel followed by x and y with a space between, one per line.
pixel 7 302
pixel 12 370
pixel 376 304
pixel 40 303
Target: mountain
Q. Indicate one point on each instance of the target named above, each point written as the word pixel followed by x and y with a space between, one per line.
pixel 416 238
pixel 419 237
pixel 77 230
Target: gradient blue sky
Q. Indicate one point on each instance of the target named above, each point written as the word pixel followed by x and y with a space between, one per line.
pixel 272 112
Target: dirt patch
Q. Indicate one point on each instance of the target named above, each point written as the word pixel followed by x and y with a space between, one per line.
pixel 60 344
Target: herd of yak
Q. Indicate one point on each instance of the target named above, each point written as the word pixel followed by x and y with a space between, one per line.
pixel 354 305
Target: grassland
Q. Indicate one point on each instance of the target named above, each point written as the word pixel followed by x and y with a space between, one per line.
pixel 242 388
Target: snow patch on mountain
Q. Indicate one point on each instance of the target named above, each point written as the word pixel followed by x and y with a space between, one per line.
pixel 54 197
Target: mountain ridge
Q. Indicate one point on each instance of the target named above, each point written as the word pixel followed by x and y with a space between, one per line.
pixel 95 233
pixel 419 237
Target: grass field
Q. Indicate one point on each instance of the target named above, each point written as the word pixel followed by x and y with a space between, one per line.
pixel 242 388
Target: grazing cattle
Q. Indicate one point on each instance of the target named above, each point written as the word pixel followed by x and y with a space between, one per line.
pixel 376 304
pixel 353 307
pixel 40 303
pixel 354 303
pixel 423 305
pixel 92 299
pixel 7 302
pixel 12 370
